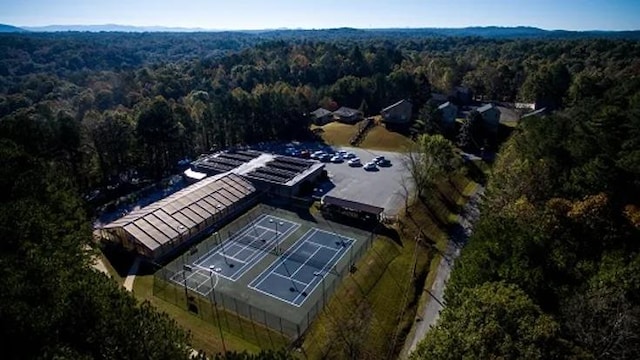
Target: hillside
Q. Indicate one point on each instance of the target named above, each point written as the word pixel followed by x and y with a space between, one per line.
pixel 488 32
pixel 4 28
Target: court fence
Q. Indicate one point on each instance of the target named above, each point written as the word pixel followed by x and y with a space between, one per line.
pixel 238 316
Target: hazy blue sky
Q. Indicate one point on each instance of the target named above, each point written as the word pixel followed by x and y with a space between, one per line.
pixel 261 14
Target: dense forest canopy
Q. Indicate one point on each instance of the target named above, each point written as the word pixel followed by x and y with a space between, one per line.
pixel 556 244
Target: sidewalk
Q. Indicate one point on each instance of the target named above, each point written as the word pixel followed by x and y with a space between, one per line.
pixel 434 305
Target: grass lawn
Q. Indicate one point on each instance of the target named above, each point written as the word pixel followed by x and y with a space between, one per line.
pixel 205 335
pixel 373 310
pixel 378 138
pixel 337 134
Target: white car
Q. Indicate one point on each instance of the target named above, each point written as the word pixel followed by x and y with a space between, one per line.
pixel 354 162
pixel 377 159
pixel 317 154
pixel 336 159
pixel 350 155
pixel 370 166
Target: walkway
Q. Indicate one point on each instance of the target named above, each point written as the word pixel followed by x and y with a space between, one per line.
pixel 131 275
pixel 457 239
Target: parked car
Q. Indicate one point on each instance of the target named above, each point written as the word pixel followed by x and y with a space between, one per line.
pixel 370 166
pixel 305 154
pixel 336 158
pixel 377 159
pixel 383 162
pixel 317 154
pixel 342 153
pixel 350 155
pixel 324 157
pixel 354 162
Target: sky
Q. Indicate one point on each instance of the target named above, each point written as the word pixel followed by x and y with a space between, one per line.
pixel 317 14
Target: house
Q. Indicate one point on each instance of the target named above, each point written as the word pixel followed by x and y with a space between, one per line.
pixel 398 113
pixel 490 116
pixel 462 95
pixel 448 114
pixel 321 116
pixel 347 115
pixel 438 98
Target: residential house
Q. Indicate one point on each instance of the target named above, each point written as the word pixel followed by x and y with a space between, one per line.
pixel 347 115
pixel 448 113
pixel 398 114
pixel 490 116
pixel 462 95
pixel 321 116
pixel 438 98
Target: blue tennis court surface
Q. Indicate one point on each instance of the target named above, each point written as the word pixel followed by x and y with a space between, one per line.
pixel 297 273
pixel 236 255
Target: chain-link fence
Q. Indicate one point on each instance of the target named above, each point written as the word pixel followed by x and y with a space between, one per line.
pixel 240 311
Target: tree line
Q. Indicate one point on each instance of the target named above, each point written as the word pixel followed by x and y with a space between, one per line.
pixel 84 111
pixel 550 271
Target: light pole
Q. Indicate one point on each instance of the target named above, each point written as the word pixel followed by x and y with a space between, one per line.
pixel 275 240
pixel 224 256
pixel 215 305
pixel 186 268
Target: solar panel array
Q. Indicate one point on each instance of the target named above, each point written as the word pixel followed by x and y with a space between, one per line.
pixel 223 162
pixel 281 169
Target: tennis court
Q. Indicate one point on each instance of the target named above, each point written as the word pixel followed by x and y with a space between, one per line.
pixel 298 272
pixel 234 256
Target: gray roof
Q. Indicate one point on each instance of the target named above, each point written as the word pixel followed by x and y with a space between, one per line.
pixel 445 105
pixel 534 113
pixel 394 105
pixel 353 205
pixel 320 112
pixel 485 107
pixel 437 97
pixel 161 222
pixel 345 111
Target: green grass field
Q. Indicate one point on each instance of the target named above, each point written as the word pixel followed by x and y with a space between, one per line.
pixel 205 334
pixel 378 138
pixel 374 309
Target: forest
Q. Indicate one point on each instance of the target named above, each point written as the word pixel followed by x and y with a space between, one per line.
pixel 550 272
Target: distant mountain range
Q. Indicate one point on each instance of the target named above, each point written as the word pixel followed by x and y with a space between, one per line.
pixel 10 29
pixel 476 31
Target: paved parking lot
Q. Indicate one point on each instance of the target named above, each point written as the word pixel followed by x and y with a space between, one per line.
pixel 381 188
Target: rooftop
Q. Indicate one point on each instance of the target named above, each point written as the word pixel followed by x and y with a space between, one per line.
pixel 394 105
pixel 485 107
pixel 345 111
pixel 164 220
pixel 320 112
pixel 445 105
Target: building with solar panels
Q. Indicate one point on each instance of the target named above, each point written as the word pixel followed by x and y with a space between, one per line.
pixel 276 174
pixel 158 229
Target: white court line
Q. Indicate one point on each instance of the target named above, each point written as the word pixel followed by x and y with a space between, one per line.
pixel 271 268
pixel 222 245
pixel 305 263
pixel 326 246
pixel 323 272
pixel 303 239
pixel 273 296
pixel 234 259
pixel 251 260
pixel 288 278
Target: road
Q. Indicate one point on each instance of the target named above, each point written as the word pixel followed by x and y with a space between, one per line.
pixel 458 237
